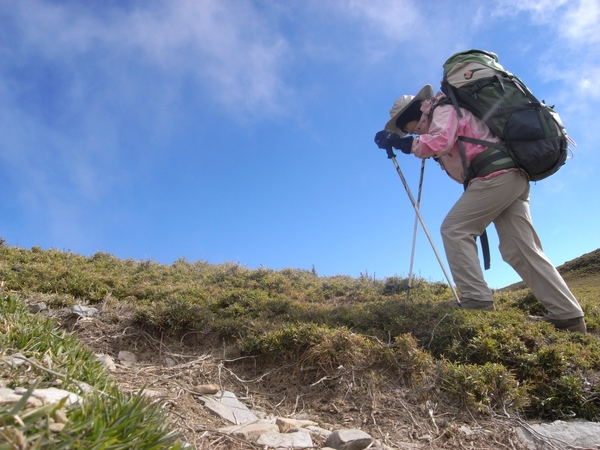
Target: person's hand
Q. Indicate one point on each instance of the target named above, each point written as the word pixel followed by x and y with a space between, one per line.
pixel 386 139
pixel 404 144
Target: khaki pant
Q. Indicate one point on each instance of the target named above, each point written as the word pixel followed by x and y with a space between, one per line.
pixel 503 200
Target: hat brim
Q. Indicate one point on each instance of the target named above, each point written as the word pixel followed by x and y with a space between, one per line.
pixel 426 93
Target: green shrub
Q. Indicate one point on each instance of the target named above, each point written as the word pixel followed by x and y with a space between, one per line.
pixel 290 340
pixel 565 397
pixel 484 387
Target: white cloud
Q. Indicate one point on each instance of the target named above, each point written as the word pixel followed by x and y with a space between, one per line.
pixel 396 20
pixel 576 22
pixel 572 55
pixel 225 44
pixel 89 71
pixel 581 24
pixel 226 47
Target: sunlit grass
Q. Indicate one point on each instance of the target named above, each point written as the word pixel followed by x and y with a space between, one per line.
pixel 104 419
pixel 324 326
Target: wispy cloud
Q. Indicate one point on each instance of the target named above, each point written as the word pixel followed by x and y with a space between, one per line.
pixel 396 20
pixel 573 55
pixel 80 73
pixel 226 45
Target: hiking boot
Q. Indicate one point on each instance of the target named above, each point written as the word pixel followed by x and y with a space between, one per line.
pixel 469 303
pixel 576 324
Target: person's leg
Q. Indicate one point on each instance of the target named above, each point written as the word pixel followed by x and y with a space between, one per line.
pixel 520 247
pixel 479 205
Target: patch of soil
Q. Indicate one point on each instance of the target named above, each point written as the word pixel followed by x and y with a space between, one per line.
pixel 169 369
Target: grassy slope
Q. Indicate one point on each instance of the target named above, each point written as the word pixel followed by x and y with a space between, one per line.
pixel 488 363
pixel 579 273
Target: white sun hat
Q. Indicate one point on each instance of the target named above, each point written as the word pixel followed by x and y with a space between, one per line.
pixel 402 104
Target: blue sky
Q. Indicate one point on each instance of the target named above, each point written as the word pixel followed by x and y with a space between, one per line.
pixel 242 131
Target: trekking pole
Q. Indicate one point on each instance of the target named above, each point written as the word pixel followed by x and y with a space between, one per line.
pixel 414 242
pixel 392 156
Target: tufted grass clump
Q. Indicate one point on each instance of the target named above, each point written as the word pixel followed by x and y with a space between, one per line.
pixel 484 388
pixel 327 350
pixel 104 418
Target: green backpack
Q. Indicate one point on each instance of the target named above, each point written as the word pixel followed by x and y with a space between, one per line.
pixel 533 136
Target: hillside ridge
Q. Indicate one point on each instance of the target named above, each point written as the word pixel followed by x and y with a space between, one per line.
pixel 581 267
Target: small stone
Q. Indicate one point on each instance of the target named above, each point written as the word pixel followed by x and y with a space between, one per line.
pixel 128 359
pixel 250 431
pixel 60 416
pixel 206 389
pixel 149 393
pixel 226 405
pixel 289 440
pixel 286 424
pixel 8 396
pixel 35 308
pixel 56 427
pixel 84 311
pixel 106 361
pixel 322 432
pixel 349 440
pixel 51 396
pixel 465 429
pixel 15 360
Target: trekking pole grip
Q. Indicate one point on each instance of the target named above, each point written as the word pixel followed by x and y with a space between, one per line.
pixel 390 153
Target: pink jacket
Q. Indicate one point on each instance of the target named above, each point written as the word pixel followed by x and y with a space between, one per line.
pixel 441 139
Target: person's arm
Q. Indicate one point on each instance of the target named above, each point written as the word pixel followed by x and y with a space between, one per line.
pixel 441 136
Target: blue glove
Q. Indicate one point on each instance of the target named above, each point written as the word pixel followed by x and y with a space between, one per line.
pixel 387 139
pixel 404 144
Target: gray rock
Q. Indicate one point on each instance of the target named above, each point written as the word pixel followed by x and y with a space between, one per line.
pixel 126 358
pixel 8 397
pixel 286 441
pixel 226 405
pixel 106 361
pixel 286 425
pixel 35 308
pixel 575 434
pixel 318 431
pixel 38 397
pixel 84 311
pixel 349 440
pixel 51 396
pixel 15 360
pixel 251 431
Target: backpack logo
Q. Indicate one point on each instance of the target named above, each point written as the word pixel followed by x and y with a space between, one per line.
pixel 470 73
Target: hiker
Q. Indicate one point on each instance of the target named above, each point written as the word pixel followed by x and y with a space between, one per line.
pixel 427 127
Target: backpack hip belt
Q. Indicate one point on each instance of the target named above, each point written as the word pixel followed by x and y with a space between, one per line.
pixel 494 158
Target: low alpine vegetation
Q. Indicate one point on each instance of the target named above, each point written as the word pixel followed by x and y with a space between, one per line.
pixel 347 333
pixel 104 418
